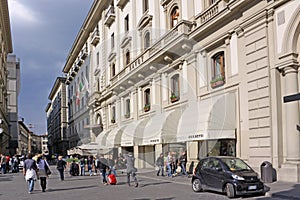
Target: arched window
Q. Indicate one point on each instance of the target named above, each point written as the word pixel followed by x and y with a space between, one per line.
pixel 218 70
pixel 175 95
pixel 127 108
pixel 147 100
pixel 174 16
pixel 98 120
pixel 127 58
pixel 147 40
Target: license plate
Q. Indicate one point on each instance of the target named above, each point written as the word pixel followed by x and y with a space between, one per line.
pixel 252 187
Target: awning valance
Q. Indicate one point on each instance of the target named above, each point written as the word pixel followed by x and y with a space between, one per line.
pixel 162 128
pixel 133 133
pixel 213 118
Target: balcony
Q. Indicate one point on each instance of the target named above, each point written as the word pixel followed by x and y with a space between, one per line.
pixel 95 37
pixel 110 16
pixel 79 62
pixel 210 12
pixel 84 53
pixel 121 3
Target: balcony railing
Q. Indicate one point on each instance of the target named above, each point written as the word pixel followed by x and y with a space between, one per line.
pixel 210 12
pixel 110 16
pixel 84 54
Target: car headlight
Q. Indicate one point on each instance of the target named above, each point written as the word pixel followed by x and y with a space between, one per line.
pixel 236 177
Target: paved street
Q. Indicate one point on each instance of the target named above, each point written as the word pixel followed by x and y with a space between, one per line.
pixel 13 186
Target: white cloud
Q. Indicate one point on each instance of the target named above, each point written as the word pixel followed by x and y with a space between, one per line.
pixel 21 14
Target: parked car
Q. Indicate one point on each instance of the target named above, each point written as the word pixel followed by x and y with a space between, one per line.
pixel 228 175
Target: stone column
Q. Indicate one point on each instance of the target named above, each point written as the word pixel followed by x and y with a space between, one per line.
pixel 292 114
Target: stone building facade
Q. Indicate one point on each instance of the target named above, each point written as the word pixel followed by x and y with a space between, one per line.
pixel 207 77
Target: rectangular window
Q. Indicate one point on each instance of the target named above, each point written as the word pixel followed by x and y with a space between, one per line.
pixel 145 5
pixel 112 41
pixel 97 59
pixel 126 20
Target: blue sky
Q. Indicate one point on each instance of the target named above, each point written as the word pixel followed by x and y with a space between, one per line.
pixel 43 32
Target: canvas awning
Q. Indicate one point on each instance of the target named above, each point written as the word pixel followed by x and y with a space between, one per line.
pixel 213 118
pixel 88 149
pixel 114 137
pixel 133 133
pixel 101 138
pixel 162 128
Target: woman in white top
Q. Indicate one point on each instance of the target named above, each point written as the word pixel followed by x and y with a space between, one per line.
pixel 41 162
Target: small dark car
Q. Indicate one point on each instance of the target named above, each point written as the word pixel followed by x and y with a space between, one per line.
pixel 228 175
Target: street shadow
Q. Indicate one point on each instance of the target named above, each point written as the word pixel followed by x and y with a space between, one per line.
pixel 6 178
pixel 72 188
pixel 154 183
pixel 293 193
pixel 167 198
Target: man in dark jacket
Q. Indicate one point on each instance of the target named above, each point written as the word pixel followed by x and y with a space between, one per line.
pixel 183 161
pixel 160 164
pixel 103 165
pixel 130 169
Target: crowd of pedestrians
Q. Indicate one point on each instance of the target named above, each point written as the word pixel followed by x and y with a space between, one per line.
pixel 172 164
pixel 36 167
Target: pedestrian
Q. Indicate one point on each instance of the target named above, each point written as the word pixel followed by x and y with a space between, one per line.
pixel 3 163
pixel 183 161
pixel 103 165
pixel 42 164
pixel 61 166
pixel 82 166
pixel 169 161
pixel 30 172
pixel 130 169
pixel 111 165
pixel 90 163
pixel 160 164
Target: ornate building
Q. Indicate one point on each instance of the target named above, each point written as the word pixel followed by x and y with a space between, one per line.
pixel 58 140
pixel 5 49
pixel 207 77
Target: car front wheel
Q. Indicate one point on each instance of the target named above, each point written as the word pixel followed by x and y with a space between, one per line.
pixel 230 190
pixel 196 185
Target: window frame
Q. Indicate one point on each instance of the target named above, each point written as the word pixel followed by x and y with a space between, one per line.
pixel 147 99
pixel 174 16
pixel 175 87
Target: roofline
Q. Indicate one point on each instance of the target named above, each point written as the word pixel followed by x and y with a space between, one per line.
pixel 55 87
pixel 87 27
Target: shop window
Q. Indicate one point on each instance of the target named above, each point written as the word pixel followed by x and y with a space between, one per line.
pixel 222 147
pixel 218 70
pixel 174 16
pixel 127 108
pixel 175 88
pixel 147 100
pixel 147 40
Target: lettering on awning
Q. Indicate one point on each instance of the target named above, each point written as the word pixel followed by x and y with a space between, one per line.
pixel 197 136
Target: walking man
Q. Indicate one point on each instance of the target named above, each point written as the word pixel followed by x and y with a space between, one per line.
pixel 160 164
pixel 130 169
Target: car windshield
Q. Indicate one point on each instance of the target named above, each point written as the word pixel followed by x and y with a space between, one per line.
pixel 236 164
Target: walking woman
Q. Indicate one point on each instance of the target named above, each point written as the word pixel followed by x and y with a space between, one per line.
pixel 61 166
pixel 42 164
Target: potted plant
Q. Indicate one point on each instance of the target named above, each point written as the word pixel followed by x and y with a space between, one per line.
pixel 147 107
pixel 127 115
pixel 217 81
pixel 173 98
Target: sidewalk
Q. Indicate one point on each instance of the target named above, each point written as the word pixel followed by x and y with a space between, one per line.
pixel 278 189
